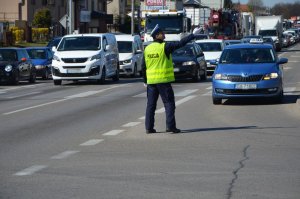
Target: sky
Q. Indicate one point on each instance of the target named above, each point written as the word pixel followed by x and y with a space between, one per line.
pixel 268 3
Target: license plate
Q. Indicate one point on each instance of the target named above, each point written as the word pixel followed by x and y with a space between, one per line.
pixel 73 71
pixel 176 69
pixel 245 86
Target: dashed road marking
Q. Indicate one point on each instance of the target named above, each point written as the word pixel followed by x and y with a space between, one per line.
pixel 64 155
pixel 185 92
pixel 131 124
pixel 24 95
pixel 289 90
pixel 85 94
pixel 113 132
pixel 30 170
pixel 91 142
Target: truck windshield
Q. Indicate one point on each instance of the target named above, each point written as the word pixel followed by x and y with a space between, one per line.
pixel 125 46
pixel 267 33
pixel 79 43
pixel 169 24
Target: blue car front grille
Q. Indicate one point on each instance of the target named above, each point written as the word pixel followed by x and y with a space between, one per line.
pixel 239 78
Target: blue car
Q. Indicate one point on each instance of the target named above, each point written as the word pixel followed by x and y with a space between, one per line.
pixel 248 70
pixel 42 59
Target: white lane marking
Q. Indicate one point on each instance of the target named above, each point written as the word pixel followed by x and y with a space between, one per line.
pixel 142 118
pixel 66 98
pixel 295 55
pixel 21 87
pixel 131 124
pixel 91 142
pixel 282 54
pixel 293 61
pixel 185 92
pixel 181 101
pixel 287 68
pixel 289 90
pixel 209 93
pixel 64 154
pixel 32 107
pixel 179 94
pixel 144 94
pixel 209 88
pixel 113 132
pixel 24 95
pixel 30 170
pixel 85 94
pixel 2 92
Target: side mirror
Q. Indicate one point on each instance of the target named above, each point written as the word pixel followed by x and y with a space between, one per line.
pixel 213 62
pixel 54 48
pixel 138 51
pixel 108 47
pixel 282 61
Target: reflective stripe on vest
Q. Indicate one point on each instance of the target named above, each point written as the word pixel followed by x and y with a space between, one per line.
pixel 159 69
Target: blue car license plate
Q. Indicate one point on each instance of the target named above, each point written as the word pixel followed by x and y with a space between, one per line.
pixel 245 86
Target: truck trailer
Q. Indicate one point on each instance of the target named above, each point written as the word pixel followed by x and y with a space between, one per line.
pixel 270 26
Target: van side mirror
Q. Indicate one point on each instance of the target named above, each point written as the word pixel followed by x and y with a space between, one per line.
pixel 54 48
pixel 108 47
pixel 138 51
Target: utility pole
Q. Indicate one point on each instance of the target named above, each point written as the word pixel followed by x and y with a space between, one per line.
pixel 199 12
pixel 132 17
pixel 70 18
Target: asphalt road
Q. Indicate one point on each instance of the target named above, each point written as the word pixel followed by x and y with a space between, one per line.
pixel 86 141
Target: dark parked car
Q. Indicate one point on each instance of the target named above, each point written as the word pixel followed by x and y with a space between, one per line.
pixel 54 42
pixel 41 58
pixel 16 65
pixel 269 40
pixel 189 62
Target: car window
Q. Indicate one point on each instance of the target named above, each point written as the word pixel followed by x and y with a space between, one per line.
pixel 37 53
pixel 8 55
pixel 125 46
pixel 250 55
pixel 79 43
pixel 184 51
pixel 210 46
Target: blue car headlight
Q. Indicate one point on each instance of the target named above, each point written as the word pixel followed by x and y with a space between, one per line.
pixel 8 68
pixel 188 63
pixel 38 67
pixel 271 76
pixel 220 76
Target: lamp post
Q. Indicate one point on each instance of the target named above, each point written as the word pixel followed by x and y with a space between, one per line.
pixel 132 17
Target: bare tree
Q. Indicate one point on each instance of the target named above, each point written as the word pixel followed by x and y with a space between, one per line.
pixel 256 6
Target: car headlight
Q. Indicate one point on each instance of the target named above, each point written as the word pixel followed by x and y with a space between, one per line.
pixel 271 76
pixel 56 58
pixel 276 41
pixel 96 57
pixel 219 76
pixel 40 66
pixel 188 63
pixel 127 61
pixel 8 68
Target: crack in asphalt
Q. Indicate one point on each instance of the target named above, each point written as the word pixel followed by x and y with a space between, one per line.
pixel 236 171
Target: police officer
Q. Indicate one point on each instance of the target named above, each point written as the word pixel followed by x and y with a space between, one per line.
pixel 158 73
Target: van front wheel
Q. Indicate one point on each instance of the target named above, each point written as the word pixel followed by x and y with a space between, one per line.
pixel 103 75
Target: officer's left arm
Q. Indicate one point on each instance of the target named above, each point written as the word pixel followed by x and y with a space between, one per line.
pixel 172 46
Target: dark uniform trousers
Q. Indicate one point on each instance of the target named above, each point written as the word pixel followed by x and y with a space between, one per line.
pixel 166 93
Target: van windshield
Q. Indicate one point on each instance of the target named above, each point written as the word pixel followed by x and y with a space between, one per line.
pixel 79 43
pixel 125 46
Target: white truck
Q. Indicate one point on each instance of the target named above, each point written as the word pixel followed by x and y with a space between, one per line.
pixel 270 26
pixel 175 24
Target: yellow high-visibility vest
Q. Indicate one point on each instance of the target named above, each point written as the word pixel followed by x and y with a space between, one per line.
pixel 159 69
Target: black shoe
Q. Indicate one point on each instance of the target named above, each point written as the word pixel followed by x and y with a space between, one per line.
pixel 150 131
pixel 175 130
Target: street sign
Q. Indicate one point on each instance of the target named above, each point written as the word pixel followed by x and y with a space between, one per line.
pixel 63 21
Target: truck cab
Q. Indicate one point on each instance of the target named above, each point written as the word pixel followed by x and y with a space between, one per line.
pixel 175 24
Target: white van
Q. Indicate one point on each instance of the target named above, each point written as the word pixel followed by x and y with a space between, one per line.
pixel 130 54
pixel 86 57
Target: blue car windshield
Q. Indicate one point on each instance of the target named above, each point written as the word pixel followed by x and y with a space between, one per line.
pixel 247 55
pixel 186 51
pixel 37 53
